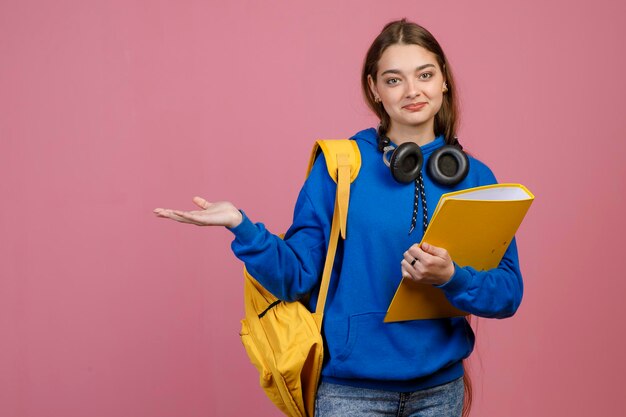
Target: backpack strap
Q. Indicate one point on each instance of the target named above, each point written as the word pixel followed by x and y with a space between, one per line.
pixel 343 162
pixel 340 154
pixel 331 147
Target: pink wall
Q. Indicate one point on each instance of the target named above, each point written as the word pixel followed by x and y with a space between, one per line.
pixel 111 108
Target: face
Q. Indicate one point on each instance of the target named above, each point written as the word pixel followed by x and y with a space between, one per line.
pixel 410 85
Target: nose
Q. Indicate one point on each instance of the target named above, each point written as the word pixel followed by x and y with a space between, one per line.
pixel 412 89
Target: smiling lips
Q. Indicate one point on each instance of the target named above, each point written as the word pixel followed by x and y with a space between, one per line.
pixel 414 106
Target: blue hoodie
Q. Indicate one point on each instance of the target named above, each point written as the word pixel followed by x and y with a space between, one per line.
pixel 362 350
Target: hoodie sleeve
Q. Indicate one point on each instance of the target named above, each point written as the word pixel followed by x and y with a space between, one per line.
pixel 496 293
pixel 289 268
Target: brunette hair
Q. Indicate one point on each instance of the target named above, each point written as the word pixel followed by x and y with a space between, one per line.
pixel 409 33
pixel 446 120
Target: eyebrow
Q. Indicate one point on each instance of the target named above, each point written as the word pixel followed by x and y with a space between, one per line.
pixel 395 71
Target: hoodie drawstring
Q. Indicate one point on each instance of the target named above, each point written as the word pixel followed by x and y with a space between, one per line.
pixel 420 194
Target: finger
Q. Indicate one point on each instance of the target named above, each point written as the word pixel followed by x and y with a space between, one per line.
pixel 415 250
pixel 172 214
pixel 186 215
pixel 434 250
pixel 426 259
pixel 160 212
pixel 409 272
pixel 411 260
pixel 201 202
pixel 195 217
pixel 404 272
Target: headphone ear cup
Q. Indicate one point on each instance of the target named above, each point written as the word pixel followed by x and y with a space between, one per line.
pixel 406 162
pixel 448 165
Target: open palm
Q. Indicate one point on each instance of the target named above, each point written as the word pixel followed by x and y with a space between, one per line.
pixel 221 213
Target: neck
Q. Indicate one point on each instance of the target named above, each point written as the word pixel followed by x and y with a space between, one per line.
pixel 403 134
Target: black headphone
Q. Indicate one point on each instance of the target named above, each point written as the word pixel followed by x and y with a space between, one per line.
pixel 448 165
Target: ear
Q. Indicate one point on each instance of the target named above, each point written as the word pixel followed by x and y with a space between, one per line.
pixel 372 85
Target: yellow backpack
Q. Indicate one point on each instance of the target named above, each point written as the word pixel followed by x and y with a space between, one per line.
pixel 283 339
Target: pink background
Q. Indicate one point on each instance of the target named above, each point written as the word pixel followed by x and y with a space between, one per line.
pixel 111 108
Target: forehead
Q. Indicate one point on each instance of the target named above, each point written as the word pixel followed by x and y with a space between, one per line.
pixel 405 58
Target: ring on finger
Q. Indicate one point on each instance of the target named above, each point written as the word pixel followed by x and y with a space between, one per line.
pixel 413 261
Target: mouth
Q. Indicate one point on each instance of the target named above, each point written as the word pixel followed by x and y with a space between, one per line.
pixel 414 106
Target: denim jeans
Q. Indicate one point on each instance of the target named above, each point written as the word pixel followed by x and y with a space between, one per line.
pixel 338 401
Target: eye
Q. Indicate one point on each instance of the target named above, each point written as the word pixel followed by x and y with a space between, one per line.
pixel 425 75
pixel 392 81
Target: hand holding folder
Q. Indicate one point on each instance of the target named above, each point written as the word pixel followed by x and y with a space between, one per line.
pixel 476 227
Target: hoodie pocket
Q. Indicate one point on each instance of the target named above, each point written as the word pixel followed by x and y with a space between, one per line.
pixel 363 346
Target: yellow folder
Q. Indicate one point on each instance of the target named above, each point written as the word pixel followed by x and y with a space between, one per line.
pixel 475 226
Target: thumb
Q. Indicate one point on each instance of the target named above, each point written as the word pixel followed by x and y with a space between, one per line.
pixel 201 202
pixel 434 250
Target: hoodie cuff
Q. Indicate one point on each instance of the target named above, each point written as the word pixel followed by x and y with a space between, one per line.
pixel 458 282
pixel 246 231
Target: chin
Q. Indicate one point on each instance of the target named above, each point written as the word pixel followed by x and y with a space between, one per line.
pixel 416 122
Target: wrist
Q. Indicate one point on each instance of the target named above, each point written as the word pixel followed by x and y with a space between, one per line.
pixel 447 275
pixel 237 219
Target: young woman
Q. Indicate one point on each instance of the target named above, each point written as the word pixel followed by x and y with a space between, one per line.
pixel 412 368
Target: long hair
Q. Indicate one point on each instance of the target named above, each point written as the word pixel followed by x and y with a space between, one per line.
pixel 409 33
pixel 446 120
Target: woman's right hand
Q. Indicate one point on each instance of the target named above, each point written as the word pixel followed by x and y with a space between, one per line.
pixel 221 213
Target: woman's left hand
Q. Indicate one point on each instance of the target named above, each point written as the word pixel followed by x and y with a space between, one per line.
pixel 427 264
